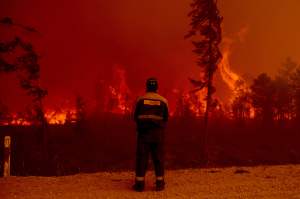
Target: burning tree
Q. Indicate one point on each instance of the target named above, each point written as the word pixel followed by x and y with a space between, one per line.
pixel 206 29
pixel 118 99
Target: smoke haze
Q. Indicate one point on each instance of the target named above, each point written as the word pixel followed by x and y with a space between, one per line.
pixel 81 42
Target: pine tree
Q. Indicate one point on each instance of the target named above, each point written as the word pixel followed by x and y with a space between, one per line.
pixel 263 92
pixel 206 34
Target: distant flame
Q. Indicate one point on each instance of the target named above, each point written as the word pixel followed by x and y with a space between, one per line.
pixel 52 117
pixel 228 76
pixel 196 102
pixel 60 117
pixel 234 81
pixel 118 99
pixel 18 121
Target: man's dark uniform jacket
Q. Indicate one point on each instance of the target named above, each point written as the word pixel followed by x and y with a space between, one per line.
pixel 151 113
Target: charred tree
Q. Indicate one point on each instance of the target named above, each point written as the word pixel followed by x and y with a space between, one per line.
pixel 207 35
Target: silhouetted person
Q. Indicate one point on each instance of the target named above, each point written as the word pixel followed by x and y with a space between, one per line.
pixel 150 115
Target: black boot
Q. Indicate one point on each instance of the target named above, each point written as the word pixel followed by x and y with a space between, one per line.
pixel 160 185
pixel 139 186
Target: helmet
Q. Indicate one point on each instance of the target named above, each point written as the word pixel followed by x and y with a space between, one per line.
pixel 151 84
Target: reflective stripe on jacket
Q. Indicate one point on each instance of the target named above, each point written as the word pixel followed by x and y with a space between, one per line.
pixel 151 109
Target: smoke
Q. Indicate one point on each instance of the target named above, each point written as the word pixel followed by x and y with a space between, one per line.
pixel 81 41
pixel 243 33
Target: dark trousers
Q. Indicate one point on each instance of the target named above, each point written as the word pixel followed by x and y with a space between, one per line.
pixel 144 148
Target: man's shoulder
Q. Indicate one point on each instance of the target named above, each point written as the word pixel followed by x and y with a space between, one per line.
pixel 153 96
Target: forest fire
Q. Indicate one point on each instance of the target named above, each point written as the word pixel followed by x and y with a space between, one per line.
pixel 52 117
pixel 17 121
pixel 78 83
pixel 117 99
pixel 61 117
pixel 235 83
pixel 196 102
pixel 229 77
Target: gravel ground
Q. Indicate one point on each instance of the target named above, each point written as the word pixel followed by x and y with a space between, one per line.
pixel 234 182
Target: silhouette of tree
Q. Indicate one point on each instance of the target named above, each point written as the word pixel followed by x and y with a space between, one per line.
pixel 287 68
pixel 26 66
pixel 180 105
pixel 183 106
pixel 241 107
pixel 80 109
pixel 284 98
pixel 206 31
pixel 80 115
pixel 262 96
pixel 295 85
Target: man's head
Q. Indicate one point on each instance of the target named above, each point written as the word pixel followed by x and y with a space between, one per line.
pixel 151 85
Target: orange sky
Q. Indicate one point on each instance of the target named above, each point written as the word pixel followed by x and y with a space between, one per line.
pixel 82 40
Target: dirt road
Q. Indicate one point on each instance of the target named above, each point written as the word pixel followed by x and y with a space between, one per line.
pixel 234 182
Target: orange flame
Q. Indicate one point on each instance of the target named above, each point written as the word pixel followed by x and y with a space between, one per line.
pixel 228 76
pixel 52 117
pixel 196 102
pixel 18 121
pixel 234 81
pixel 60 117
pixel 118 101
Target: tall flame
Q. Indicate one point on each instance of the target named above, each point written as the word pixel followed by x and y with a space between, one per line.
pixel 228 76
pixel 118 100
pixel 234 81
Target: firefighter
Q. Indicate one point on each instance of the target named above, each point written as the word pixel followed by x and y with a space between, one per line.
pixel 150 115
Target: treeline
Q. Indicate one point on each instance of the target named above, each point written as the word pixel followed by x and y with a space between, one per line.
pixel 265 100
pixel 271 99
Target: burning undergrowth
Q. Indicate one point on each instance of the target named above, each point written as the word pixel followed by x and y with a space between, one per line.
pixel 115 97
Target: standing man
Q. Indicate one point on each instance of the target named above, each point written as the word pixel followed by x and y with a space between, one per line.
pixel 150 115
